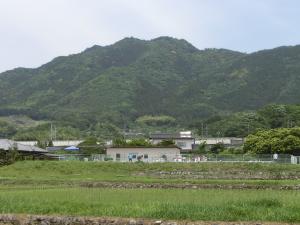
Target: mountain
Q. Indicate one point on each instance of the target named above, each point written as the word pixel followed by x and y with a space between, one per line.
pixel 161 78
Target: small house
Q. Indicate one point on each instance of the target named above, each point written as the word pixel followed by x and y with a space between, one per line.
pixel 144 154
pixel 8 145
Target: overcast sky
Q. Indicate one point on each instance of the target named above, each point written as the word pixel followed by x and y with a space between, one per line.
pixel 32 32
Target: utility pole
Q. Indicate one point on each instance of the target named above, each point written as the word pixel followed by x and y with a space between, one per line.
pixel 51 132
pixel 206 131
pixel 248 128
pixel 54 133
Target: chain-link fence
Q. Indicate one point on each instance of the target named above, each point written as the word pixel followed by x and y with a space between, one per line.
pixel 267 158
pixel 185 158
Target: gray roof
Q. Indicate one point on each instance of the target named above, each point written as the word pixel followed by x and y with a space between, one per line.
pixel 168 136
pixel 6 145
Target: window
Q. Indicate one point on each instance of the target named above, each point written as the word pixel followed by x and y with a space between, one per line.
pixel 118 156
pixel 145 156
pixel 181 144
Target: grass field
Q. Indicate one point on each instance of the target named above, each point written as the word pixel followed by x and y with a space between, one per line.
pixel 217 205
pixel 53 187
pixel 75 172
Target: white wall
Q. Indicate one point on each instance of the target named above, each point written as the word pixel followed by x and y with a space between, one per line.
pixel 154 154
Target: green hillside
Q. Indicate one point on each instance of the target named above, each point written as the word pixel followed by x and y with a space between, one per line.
pixel 165 79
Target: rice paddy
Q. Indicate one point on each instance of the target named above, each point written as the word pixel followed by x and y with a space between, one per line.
pixel 41 187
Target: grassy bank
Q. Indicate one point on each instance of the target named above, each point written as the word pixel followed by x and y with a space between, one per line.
pixel 98 170
pixel 217 205
pixel 74 172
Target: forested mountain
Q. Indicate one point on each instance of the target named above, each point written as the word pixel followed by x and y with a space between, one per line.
pixel 157 82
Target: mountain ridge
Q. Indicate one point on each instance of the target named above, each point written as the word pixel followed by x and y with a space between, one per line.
pixel 132 78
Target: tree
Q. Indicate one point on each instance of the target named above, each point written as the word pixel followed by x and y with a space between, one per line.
pixel 202 148
pixel 275 115
pixel 91 146
pixel 119 142
pixel 141 142
pixel 42 144
pixel 280 140
pixel 217 148
pixel 10 156
pixel 166 143
pixel 156 120
pixel 50 144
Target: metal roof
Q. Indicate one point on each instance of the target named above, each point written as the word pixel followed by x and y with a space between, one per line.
pixel 169 136
pixel 6 145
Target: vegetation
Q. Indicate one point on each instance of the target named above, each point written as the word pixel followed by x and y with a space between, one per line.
pixel 6 130
pixel 281 140
pixel 212 205
pixel 91 146
pixel 66 172
pixel 57 187
pixel 164 82
pixel 156 120
pixel 42 133
pixel 217 148
pixel 142 142
pixel 8 157
pixel 242 124
pixel 44 187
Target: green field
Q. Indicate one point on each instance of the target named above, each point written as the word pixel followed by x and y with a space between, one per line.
pixel 56 187
pixel 218 205
pixel 76 172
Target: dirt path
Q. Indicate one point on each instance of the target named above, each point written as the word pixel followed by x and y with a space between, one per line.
pixel 70 220
pixel 185 186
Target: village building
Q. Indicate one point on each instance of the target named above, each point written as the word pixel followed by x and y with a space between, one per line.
pixel 57 144
pixel 228 142
pixel 145 154
pixel 184 139
pixel 9 145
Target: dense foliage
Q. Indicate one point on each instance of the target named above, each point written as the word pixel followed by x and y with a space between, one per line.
pixel 9 157
pixel 141 142
pixel 91 146
pixel 164 82
pixel 242 124
pixel 42 133
pixel 281 140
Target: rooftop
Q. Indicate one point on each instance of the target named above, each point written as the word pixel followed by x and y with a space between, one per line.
pixel 6 145
pixel 180 135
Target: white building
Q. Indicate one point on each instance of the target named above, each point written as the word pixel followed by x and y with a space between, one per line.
pixel 145 154
pixel 183 140
pixel 226 141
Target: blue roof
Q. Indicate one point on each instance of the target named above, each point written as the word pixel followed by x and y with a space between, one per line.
pixel 72 148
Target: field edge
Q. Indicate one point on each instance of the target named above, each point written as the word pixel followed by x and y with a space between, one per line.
pixel 29 219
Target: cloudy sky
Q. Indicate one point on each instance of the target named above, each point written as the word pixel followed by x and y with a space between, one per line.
pixel 32 32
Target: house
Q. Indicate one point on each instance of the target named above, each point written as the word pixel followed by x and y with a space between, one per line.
pixel 57 145
pixel 228 142
pixel 183 139
pixel 145 154
pixel 7 145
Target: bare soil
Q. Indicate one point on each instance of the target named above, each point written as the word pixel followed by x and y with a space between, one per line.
pixel 186 186
pixel 13 219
